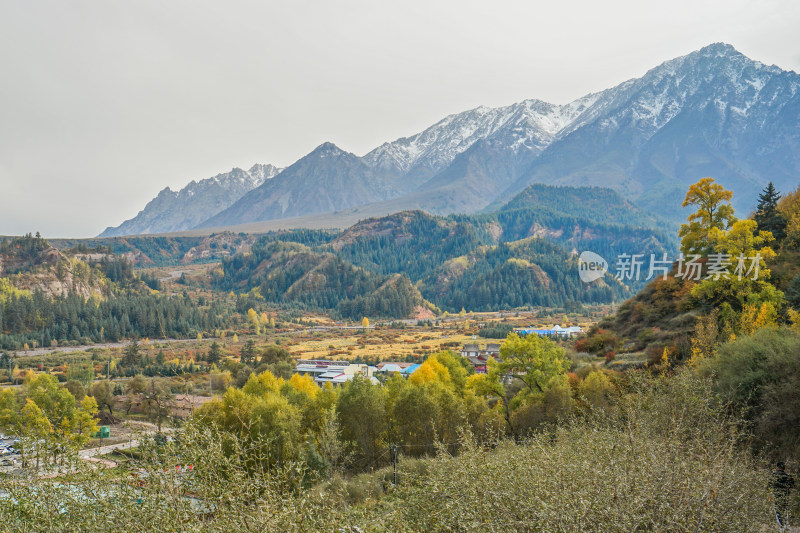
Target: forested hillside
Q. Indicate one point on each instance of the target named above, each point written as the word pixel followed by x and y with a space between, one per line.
pixel 529 272
pixel 522 255
pixel 292 273
pixel 146 251
pixel 50 297
pixel 584 218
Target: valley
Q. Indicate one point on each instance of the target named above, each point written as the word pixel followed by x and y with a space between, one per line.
pixel 532 317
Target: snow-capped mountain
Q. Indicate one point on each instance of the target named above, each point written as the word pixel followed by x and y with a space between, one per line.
pixel 199 200
pixel 713 112
pixel 328 179
pixel 530 125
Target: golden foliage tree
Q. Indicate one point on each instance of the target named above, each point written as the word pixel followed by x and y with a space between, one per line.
pixel 714 212
pixel 789 207
pixel 254 321
pixel 430 371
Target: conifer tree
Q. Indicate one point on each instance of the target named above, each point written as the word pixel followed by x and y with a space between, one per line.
pixel 131 355
pixel 214 353
pixel 767 215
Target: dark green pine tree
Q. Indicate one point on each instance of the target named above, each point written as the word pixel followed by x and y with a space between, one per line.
pixel 248 353
pixel 131 355
pixel 767 215
pixel 214 353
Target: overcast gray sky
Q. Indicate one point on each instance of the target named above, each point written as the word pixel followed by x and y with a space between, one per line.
pixel 103 103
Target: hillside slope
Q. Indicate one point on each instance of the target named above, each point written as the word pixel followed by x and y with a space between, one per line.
pixel 31 264
pixel 291 273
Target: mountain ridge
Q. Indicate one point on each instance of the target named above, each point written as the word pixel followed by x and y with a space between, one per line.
pixel 711 112
pixel 327 179
pixel 183 209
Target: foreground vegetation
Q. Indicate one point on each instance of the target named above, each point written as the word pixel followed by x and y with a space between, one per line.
pixel 663 456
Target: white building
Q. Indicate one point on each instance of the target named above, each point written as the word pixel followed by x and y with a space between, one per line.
pixel 334 372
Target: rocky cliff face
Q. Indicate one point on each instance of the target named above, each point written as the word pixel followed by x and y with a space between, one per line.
pixel 54 274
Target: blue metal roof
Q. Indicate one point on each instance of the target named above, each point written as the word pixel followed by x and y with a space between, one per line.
pixel 409 369
pixel 540 332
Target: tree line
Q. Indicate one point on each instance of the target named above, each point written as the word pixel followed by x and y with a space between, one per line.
pixel 38 320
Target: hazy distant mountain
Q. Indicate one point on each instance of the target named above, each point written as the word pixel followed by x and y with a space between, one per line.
pixel 525 128
pixel 713 113
pixel 184 209
pixel 459 164
pixel 328 179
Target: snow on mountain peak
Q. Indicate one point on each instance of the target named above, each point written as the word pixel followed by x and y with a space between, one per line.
pixel 650 102
pixel 531 124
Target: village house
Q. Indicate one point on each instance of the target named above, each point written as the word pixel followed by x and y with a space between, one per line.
pixel 405 369
pixel 387 367
pixel 478 357
pixel 333 372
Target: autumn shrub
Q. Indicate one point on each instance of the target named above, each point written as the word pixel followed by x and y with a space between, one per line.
pixel 667 460
pixel 599 341
pixel 219 493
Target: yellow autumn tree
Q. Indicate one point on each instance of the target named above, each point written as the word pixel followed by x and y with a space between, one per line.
pixel 7 290
pixel 304 384
pixel 705 340
pixel 744 240
pixel 714 212
pixel 253 320
pixel 794 319
pixel 755 317
pixel 736 271
pixel 430 371
pixel 789 207
pixel 597 390
pixel 365 322
pixel 263 383
pixel 83 423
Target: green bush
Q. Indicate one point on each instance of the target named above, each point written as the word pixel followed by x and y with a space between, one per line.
pixel 759 376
